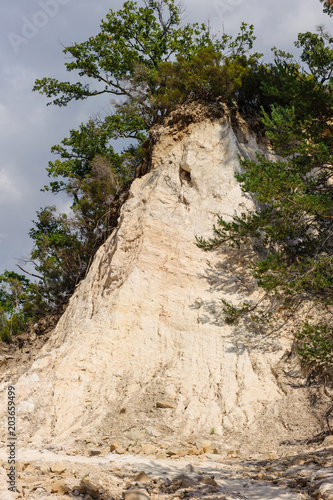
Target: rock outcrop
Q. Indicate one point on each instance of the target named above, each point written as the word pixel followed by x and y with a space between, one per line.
pixel 142 344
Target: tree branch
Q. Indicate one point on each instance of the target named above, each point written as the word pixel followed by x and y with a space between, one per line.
pixel 30 274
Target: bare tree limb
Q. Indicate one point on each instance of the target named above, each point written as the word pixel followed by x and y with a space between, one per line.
pixel 30 274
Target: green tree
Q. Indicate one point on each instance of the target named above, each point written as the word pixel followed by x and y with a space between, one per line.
pixel 124 60
pixel 328 6
pixel 130 37
pixel 16 296
pixel 207 75
pixel 293 228
pixel 77 154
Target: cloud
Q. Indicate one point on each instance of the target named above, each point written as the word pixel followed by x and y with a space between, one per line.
pixel 9 193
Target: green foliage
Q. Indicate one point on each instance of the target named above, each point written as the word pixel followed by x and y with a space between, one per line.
pixel 210 70
pixel 317 53
pixel 134 35
pixel 207 75
pixel 80 161
pixel 292 229
pixel 64 244
pixel 11 282
pixel 307 87
pixel 328 6
pixel 57 254
pixel 20 302
pixel 315 346
pixel 131 58
pixel 77 155
pixel 233 313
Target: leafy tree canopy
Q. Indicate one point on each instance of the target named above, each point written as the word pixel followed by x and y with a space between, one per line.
pixel 328 6
pixel 19 302
pixel 124 60
pixel 292 230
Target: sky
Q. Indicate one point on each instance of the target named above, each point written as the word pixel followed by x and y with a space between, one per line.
pixel 32 36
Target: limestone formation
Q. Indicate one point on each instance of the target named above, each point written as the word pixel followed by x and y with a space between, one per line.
pixel 143 342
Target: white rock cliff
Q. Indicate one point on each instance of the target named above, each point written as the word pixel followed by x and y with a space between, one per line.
pixel 144 329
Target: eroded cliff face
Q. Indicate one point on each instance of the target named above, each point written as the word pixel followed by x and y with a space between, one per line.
pixel 144 329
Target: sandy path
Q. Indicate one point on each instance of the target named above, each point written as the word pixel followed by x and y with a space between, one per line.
pixel 227 475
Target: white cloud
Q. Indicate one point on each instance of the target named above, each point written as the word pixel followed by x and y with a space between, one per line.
pixel 9 193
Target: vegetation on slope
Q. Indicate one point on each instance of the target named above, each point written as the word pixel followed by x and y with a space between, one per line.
pixel 149 62
pixel 292 231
